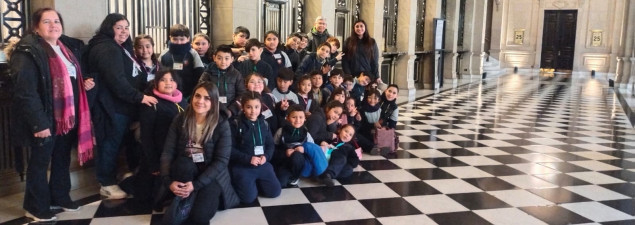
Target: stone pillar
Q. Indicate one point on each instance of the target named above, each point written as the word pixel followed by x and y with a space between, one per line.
pixel 372 11
pixel 451 42
pixel 433 10
pixel 91 12
pixel 406 39
pixel 628 70
pixel 315 8
pixel 228 14
pixel 474 36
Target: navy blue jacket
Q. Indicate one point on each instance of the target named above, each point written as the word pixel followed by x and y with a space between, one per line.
pixel 245 132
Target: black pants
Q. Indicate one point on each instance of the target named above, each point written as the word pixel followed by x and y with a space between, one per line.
pixel 342 163
pixel 365 140
pixel 39 193
pixel 183 169
pixel 288 168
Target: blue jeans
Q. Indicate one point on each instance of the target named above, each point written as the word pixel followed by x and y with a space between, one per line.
pixel 109 143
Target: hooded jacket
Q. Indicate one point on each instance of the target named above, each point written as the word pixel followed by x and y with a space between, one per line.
pixel 316 39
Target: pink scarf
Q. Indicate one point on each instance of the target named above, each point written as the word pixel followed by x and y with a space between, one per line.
pixel 176 96
pixel 63 101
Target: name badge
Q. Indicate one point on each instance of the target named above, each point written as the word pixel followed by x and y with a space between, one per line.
pixel 198 157
pixel 177 66
pixel 135 72
pixel 222 99
pixel 277 56
pixel 267 114
pixel 259 150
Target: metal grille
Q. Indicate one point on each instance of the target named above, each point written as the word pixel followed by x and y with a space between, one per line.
pixel 421 19
pixel 14 19
pixel 461 24
pixel 299 16
pixel 273 17
pixel 390 24
pixel 343 21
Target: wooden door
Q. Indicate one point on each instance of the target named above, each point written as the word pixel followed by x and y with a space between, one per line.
pixel 558 39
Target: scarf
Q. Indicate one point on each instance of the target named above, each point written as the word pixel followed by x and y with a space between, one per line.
pixel 176 96
pixel 179 49
pixel 63 101
pixel 293 136
pixel 368 108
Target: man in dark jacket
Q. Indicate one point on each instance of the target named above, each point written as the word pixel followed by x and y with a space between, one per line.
pixel 318 34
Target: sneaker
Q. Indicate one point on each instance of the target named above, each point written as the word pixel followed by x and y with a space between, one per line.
pixel 44 217
pixel 69 207
pixel 327 179
pixel 294 181
pixel 375 151
pixel 112 192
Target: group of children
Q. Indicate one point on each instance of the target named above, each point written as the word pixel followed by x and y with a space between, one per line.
pixel 311 122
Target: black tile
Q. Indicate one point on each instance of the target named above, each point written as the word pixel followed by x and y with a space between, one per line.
pixel 561 180
pixel 356 222
pixel 490 184
pixel 500 170
pixel 508 159
pixel 255 203
pixel 436 132
pixel 88 200
pixel 565 156
pixel 122 207
pixel 520 142
pixel 559 195
pixel 71 222
pixel 457 152
pixel 291 214
pixel 454 218
pixel 625 175
pixel 412 188
pixel 156 219
pixel 378 165
pixel 627 189
pixel 621 222
pixel 413 145
pixel 327 194
pixel 385 207
pixel 555 215
pixel 361 177
pixel 468 144
pixel 399 154
pixel 624 164
pixel 625 205
pixel 420 137
pixel 445 162
pixel 18 221
pixel 620 154
pixel 431 174
pixel 478 200
pixel 515 150
pixel 564 167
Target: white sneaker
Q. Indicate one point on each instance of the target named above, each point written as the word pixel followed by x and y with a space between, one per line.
pixel 112 192
pixel 43 218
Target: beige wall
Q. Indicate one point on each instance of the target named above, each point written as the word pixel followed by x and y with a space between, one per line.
pixel 529 15
pixel 81 17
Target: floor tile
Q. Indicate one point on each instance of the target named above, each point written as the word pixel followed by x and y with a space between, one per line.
pixel 121 207
pixel 288 196
pixel 478 200
pixel 561 179
pixel 412 163
pixel 595 165
pixel 520 198
pixel 452 186
pixel 555 215
pixel 442 204
pixel 431 174
pixel 399 175
pixel 385 207
pixel 558 195
pixel 595 177
pixel 341 210
pixel 327 194
pixel 477 160
pixel 378 165
pixel 625 205
pixel 509 216
pixel 411 219
pixel 490 183
pixel 527 181
pixel 596 211
pixel 370 191
pixel 487 151
pixel 412 188
pixel 291 214
pixel 543 149
pixel 459 218
pixel 596 193
pixel 237 216
pixel 362 177
pixel 500 170
pixel 466 172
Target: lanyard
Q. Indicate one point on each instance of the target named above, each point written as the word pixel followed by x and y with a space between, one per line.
pixel 178 107
pixel 224 80
pixel 255 69
pixel 253 136
pixel 134 61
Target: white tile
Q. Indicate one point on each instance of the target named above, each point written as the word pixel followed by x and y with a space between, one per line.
pixel 593 133
pixel 451 137
pixel 439 144
pixel 237 216
pixel 595 165
pixel 411 132
pixel 527 182
pixel 487 151
pixel 520 198
pixel 477 160
pixel 552 129
pixel 512 125
pixel 412 219
pixel 85 212
pixel 595 155
pixel 542 148
pixel 424 127
pixel 533 168
pixel 428 153
pixel 508 216
pixel 466 172
pixel 537 157
pixel 596 193
pixel 546 141
pixel 371 191
pixel 442 118
pixel 596 211
pixel 595 140
pixel 592 128
pixel 412 163
pixel 461 131
pixel 386 176
pixel 404 138
pixel 502 136
pixel 288 196
pixel 431 204
pixel 452 186
pixel 594 147
pixel 549 135
pixel 433 122
pixel 595 177
pixel 341 210
pixel 470 126
pixel 128 220
pixel 495 143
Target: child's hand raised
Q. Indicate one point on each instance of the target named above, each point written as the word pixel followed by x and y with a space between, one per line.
pixel 284 105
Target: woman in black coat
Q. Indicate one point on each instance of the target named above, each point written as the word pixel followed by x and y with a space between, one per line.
pixel 195 157
pixel 50 112
pixel 111 62
pixel 360 52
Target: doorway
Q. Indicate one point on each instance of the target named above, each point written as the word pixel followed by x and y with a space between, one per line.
pixel 558 40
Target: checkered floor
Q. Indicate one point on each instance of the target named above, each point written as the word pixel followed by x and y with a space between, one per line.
pixel 513 150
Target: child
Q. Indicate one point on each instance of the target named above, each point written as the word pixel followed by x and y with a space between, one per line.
pixel 239 39
pixel 305 96
pixel 256 82
pixel 320 95
pixel 349 83
pixel 343 158
pixel 252 149
pixel 335 80
pixel 302 46
pixel 335 55
pixel 389 109
pixel 275 57
pixel 201 43
pixel 184 60
pixel 371 113
pixel 144 51
pixel 323 124
pixel 282 92
pixel 359 86
pixel 296 154
pixel 254 64
pixel 228 80
pixel 316 61
pixel 290 48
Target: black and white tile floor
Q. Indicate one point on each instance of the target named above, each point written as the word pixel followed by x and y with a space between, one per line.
pixel 519 149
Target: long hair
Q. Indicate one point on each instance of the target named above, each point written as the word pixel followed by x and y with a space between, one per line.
pixel 256 74
pixel 106 26
pixel 37 16
pixel 211 119
pixel 161 73
pixel 366 40
pixel 136 43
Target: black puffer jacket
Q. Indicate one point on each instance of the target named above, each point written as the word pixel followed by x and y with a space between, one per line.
pixel 316 39
pixel 230 82
pixel 32 103
pixel 217 153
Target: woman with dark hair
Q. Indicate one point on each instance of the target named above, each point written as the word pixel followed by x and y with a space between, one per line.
pixel 50 112
pixel 110 60
pixel 195 157
pixel 360 52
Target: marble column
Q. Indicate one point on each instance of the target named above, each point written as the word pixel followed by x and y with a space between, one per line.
pixel 430 61
pixel 474 36
pixel 628 69
pixel 323 8
pixel 372 11
pixel 406 39
pixel 451 42
pixel 228 14
pixel 91 12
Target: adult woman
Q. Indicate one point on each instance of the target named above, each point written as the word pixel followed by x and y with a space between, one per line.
pixel 196 154
pixel 155 122
pixel 50 112
pixel 360 52
pixel 110 60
